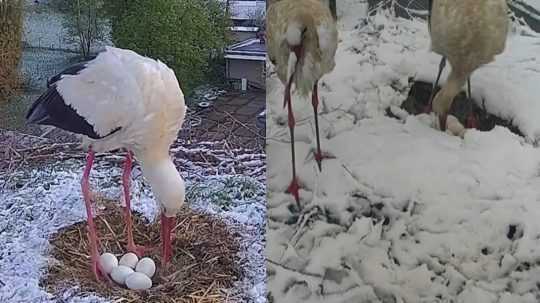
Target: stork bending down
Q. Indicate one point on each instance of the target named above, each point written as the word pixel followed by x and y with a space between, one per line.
pixel 468 34
pixel 121 100
pixel 302 42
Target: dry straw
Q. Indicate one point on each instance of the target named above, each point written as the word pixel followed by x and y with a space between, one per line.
pixel 204 266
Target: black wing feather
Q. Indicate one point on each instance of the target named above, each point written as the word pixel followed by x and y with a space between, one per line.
pixel 51 109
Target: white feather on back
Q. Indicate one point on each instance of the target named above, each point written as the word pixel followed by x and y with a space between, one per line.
pixel 123 89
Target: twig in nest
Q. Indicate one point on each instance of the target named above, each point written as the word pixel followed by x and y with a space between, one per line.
pixel 115 237
pixel 244 125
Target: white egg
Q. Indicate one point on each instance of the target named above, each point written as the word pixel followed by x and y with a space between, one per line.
pixel 120 273
pixel 108 262
pixel 138 281
pixel 129 260
pixel 146 266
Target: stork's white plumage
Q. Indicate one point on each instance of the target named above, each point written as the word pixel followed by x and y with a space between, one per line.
pixel 122 100
pixel 469 34
pixel 302 42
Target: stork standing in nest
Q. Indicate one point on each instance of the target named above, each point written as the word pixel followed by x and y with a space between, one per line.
pixel 469 34
pixel 121 100
pixel 302 42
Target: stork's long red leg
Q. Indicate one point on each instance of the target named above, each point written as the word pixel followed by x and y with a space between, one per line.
pixel 92 234
pixel 294 186
pixel 126 178
pixel 315 103
pixel 167 224
pixel 442 65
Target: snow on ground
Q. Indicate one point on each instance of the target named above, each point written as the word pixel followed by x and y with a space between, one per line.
pixel 406 213
pixel 35 203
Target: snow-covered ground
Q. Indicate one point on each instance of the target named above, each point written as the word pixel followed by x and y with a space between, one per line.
pixel 406 213
pixel 35 203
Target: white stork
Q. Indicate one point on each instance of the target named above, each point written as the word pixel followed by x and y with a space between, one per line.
pixel 469 34
pixel 121 100
pixel 302 42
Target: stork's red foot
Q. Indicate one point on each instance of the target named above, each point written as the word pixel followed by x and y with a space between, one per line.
pixel 99 273
pixel 319 156
pixel 293 189
pixel 137 249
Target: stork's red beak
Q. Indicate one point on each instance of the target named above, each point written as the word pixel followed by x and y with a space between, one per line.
pixel 298 50
pixel 442 121
pixel 167 224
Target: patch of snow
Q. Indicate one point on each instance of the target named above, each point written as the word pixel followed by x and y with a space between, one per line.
pixel 405 213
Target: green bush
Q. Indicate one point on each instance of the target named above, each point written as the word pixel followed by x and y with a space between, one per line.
pixel 185 34
pixel 11 23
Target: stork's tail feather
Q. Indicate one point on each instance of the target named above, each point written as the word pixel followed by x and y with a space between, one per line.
pixel 38 114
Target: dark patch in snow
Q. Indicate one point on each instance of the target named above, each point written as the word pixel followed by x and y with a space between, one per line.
pixel 462 108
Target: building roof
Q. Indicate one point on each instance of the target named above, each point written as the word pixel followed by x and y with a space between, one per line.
pixel 250 49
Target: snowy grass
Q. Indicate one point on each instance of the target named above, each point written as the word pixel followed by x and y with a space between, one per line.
pixel 406 213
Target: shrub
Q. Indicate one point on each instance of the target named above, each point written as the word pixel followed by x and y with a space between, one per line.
pixel 10 45
pixel 187 35
pixel 85 22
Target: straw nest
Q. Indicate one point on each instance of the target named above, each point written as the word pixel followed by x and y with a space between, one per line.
pixel 204 266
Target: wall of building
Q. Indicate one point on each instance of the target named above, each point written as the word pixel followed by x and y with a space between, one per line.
pixel 242 36
pixel 249 69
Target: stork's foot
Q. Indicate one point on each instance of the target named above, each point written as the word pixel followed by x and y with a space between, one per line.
pixel 293 189
pixel 99 274
pixel 319 156
pixel 137 249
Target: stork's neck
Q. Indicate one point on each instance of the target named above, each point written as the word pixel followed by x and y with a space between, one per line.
pixel 443 100
pixel 167 184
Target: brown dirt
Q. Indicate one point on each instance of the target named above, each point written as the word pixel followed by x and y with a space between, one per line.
pixel 203 266
pixel 419 95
